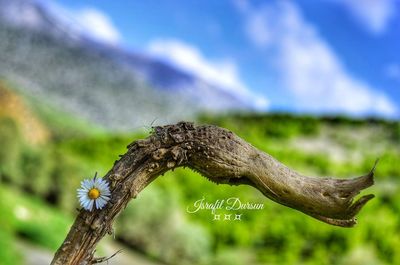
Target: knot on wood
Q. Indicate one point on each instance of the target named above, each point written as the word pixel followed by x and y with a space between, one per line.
pixel 160 153
pixel 174 156
pixel 176 133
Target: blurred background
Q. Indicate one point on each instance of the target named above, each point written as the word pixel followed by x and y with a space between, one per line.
pixel 313 83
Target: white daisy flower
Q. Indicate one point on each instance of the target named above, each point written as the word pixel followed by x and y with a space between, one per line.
pixel 94 192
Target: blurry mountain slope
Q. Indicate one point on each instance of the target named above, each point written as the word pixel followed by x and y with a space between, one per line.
pixel 50 58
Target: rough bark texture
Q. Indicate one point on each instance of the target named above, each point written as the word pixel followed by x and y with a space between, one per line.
pixel 223 157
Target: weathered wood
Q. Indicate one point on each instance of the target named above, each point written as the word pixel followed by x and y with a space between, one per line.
pixel 223 157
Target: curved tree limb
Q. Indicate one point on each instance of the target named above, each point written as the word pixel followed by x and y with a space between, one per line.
pixel 223 157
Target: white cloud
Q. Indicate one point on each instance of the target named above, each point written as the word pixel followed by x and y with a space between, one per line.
pixel 97 24
pixel 375 15
pixel 88 21
pixel 258 30
pixel 310 70
pixel 223 73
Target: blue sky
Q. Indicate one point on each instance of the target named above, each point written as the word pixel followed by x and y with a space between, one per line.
pixel 330 56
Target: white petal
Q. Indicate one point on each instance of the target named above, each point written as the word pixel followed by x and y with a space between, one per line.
pixel 97 202
pixel 91 205
pixel 87 184
pixel 83 184
pixel 83 192
pixel 103 187
pixel 81 195
pixel 85 204
pixel 105 192
pixel 101 184
pixel 100 203
pixel 105 197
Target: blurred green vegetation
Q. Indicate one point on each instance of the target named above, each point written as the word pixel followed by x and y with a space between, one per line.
pixel 39 182
pixel 28 217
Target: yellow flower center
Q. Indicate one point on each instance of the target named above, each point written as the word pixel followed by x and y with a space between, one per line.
pixel 93 193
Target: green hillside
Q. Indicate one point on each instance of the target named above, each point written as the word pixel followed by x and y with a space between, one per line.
pixel 43 178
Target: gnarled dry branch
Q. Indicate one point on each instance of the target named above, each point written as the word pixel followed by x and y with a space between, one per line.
pixel 223 157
